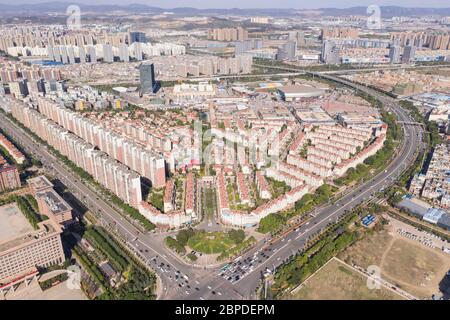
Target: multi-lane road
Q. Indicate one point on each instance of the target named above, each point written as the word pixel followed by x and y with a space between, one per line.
pixel 264 257
pixel 183 281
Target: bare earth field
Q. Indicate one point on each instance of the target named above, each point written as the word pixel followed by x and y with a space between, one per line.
pixel 405 263
pixel 337 281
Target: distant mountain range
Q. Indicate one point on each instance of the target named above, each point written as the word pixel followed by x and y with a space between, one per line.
pixel 60 7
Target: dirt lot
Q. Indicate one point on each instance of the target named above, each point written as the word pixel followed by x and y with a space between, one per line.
pixel 337 281
pixel 406 263
pixel 58 292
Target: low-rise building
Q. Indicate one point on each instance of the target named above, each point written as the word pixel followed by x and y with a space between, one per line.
pixel 9 178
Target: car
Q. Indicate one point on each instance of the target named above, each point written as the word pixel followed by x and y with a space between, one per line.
pixel 213 292
pixel 196 288
pixel 229 278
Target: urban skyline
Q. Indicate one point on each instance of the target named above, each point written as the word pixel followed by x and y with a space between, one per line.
pixel 214 4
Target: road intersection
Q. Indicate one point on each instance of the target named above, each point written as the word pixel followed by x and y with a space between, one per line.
pixel 181 280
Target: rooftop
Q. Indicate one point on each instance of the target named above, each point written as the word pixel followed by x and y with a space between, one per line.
pixel 56 204
pixel 39 183
pixel 302 90
pixel 13 223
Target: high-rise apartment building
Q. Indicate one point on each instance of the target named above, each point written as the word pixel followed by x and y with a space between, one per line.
pixel 136 36
pixel 435 40
pixel 228 34
pixel 123 53
pixel 92 54
pixel 298 36
pixel 108 53
pixel 409 53
pixel 287 51
pixel 330 52
pixel 105 169
pixel 259 20
pixel 244 46
pixel 394 54
pixel 147 78
pixel 339 32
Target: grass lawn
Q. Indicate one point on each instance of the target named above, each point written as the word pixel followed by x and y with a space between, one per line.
pixel 337 281
pixel 209 202
pixel 156 198
pixel 210 242
pixel 278 188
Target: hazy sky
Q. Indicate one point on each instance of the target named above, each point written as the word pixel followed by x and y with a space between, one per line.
pixel 300 4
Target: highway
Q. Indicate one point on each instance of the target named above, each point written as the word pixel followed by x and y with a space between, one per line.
pixel 183 281
pixel 144 245
pixel 258 259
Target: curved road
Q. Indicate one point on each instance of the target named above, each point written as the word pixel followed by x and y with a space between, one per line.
pixel 182 281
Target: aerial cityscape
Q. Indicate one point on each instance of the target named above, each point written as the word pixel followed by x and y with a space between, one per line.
pixel 192 152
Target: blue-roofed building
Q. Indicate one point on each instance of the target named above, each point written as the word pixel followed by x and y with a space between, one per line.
pixel 444 221
pixel 414 206
pixel 433 215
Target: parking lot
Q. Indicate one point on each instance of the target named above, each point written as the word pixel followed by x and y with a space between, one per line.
pixel 423 237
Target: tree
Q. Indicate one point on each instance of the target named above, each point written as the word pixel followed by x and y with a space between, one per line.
pixel 271 223
pixel 236 235
pixel 184 235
